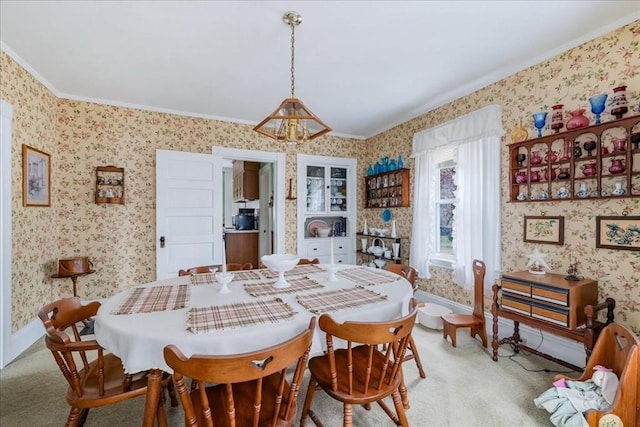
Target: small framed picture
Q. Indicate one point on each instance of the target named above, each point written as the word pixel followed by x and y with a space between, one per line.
pixel 618 232
pixel 36 177
pixel 544 229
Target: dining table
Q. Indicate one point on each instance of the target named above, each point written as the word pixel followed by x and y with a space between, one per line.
pixel 201 316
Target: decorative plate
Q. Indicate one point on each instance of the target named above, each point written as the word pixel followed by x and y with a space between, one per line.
pixel 386 215
pixel 313 224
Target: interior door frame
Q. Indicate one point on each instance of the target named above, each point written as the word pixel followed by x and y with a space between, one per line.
pixel 279 163
pixel 8 348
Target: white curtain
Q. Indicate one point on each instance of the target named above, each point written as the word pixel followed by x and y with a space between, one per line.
pixel 477 216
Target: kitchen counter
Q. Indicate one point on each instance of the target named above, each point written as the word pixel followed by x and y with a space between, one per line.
pixel 242 246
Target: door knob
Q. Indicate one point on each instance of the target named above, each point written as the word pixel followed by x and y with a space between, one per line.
pixel 162 241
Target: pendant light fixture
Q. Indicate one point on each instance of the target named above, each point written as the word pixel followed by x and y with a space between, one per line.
pixel 292 122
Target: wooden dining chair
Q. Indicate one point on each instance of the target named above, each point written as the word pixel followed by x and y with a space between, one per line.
pixel 250 389
pixel 476 321
pixel 209 268
pixel 368 369
pixel 410 274
pixel 100 379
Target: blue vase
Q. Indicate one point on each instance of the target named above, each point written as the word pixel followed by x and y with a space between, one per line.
pixel 370 170
pixel 400 162
pixel 392 165
pixel 376 168
pixel 385 164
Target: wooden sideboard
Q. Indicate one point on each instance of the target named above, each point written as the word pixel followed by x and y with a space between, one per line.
pixel 550 303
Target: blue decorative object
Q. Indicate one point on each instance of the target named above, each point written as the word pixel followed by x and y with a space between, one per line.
pixel 376 168
pixel 392 165
pixel 400 162
pixel 386 215
pixel 539 119
pixel 370 170
pixel 385 164
pixel 597 105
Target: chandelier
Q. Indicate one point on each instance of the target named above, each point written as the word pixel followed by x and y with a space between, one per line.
pixel 292 122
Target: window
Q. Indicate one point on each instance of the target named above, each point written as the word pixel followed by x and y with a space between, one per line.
pixel 456 202
pixel 444 207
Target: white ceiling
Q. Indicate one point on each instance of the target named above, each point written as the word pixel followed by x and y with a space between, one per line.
pixel 361 66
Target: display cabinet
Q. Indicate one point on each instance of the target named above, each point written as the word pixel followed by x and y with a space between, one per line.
pixel 326 199
pixel 592 162
pixel 388 189
pixel 109 185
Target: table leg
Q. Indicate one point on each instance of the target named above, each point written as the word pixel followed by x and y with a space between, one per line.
pixel 154 387
pixel 494 311
pixel 74 279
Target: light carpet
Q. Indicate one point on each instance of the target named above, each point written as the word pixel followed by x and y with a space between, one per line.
pixel 463 388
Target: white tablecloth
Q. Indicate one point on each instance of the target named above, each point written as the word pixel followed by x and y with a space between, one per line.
pixel 139 339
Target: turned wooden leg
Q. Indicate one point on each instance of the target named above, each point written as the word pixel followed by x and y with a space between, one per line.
pixel 416 356
pixel 154 386
pixel 348 415
pixel 311 388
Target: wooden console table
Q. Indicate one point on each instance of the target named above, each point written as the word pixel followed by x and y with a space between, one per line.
pixel 552 304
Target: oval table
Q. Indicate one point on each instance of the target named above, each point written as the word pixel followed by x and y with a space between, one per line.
pixel 139 339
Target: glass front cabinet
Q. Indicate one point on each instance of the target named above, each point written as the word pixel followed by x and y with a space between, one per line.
pixel 326 200
pixel 327 189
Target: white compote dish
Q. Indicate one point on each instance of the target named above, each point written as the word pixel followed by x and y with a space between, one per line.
pixel 280 263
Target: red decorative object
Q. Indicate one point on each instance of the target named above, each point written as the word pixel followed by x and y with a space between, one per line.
pixel 578 119
pixel 535 158
pixel 551 155
pixel 535 176
pixel 521 177
pixel 589 169
pixel 557 117
pixel 619 106
pixel 617 166
pixel 553 174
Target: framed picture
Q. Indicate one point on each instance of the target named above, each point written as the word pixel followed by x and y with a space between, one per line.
pixel 618 232
pixel 544 229
pixel 36 177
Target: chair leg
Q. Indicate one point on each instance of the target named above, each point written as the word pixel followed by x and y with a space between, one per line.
pixel 402 416
pixel 161 415
pixel 347 420
pixel 450 330
pixel 76 417
pixel 311 389
pixel 403 391
pixel 416 356
pixel 172 393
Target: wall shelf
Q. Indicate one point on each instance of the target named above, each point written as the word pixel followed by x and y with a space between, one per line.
pixel 387 190
pixel 561 161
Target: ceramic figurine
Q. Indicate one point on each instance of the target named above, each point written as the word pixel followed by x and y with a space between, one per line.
pixel 618 190
pixel 563 193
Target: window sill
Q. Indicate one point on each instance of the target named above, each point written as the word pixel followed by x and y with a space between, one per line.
pixel 442 262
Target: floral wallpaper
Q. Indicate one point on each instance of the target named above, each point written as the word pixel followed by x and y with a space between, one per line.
pixel 570 79
pixel 120 239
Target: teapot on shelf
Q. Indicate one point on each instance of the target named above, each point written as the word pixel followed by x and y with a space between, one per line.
pixel 535 176
pixel 377 250
pixel 551 155
pixel 535 158
pixel 589 169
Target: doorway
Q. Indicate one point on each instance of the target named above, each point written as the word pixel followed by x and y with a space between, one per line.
pixel 277 198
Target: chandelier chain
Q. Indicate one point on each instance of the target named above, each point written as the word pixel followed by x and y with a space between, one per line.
pixel 293 54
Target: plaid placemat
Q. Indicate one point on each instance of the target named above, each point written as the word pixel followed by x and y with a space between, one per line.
pixel 298 270
pixel 229 316
pixel 367 276
pixel 297 285
pixel 157 298
pixel 340 299
pixel 203 279
pixel 245 275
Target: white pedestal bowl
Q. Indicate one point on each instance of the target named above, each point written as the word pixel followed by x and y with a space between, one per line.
pixel 280 263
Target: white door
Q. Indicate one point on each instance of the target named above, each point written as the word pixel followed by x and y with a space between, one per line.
pixel 188 211
pixel 266 208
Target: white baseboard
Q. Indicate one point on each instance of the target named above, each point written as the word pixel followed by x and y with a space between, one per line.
pixel 19 342
pixel 22 340
pixel 553 345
